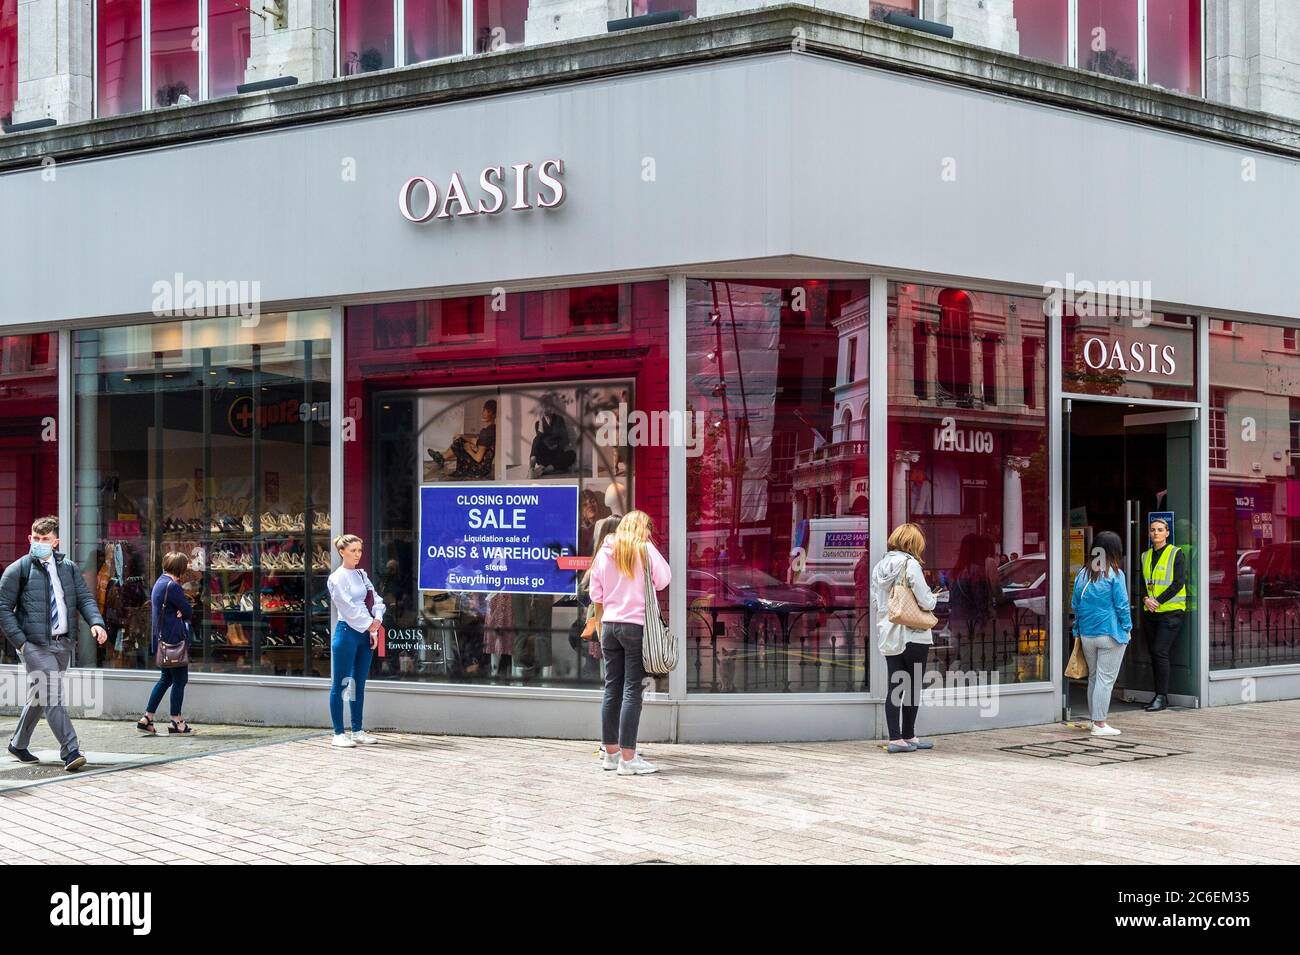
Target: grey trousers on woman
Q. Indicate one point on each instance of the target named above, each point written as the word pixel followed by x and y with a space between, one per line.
pixel 1104 655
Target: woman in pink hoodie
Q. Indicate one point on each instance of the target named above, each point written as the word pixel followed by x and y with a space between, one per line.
pixel 618 604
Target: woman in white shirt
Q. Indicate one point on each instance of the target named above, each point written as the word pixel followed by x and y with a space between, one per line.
pixel 360 610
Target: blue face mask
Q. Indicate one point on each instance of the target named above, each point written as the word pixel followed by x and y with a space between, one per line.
pixel 41 550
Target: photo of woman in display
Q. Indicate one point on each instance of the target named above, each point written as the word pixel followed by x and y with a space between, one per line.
pixel 552 453
pixel 473 455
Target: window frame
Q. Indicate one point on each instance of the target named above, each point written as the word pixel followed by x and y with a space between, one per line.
pixel 1072 43
pixel 399 30
pixel 146 48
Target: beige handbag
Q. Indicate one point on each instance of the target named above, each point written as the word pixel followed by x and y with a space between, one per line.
pixel 903 607
pixel 1077 668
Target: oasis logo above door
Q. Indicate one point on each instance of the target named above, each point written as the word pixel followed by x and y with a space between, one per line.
pixel 494 189
pixel 1136 357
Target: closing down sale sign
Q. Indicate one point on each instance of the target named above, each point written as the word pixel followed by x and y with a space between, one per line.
pixel 498 538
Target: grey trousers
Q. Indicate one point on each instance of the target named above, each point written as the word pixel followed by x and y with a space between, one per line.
pixel 45 669
pixel 1104 655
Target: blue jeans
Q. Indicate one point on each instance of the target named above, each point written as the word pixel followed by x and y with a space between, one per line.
pixel 174 678
pixel 349 664
pixel 620 712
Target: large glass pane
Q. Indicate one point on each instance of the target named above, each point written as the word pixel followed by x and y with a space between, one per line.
pixel 1174 44
pixel 208 437
pixel 29 442
pixel 1044 28
pixel 229 38
pixel 119 48
pixel 8 59
pixel 559 394
pixel 968 459
pixel 499 24
pixel 1108 37
pixel 174 51
pixel 365 36
pixel 433 29
pixel 777 487
pixel 1254 496
pixel 1152 356
pixel 879 8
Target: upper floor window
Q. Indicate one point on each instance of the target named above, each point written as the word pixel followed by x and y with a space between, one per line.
pixel 881 7
pixel 168 52
pixel 1107 36
pixel 429 30
pixel 642 7
pixel 8 59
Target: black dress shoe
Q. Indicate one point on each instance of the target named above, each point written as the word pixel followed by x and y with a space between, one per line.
pixel 23 755
pixel 74 762
pixel 1161 702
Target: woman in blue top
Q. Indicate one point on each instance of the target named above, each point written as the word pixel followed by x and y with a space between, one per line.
pixel 171 620
pixel 1103 620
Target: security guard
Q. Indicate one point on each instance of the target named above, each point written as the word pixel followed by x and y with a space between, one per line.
pixel 1164 573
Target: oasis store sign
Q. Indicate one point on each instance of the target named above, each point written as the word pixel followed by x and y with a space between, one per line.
pixel 497 189
pixel 1148 357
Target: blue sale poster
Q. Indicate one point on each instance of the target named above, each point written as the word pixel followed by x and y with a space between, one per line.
pixel 498 538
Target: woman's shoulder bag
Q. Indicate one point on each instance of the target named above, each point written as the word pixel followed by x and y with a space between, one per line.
pixel 903 608
pixel 658 646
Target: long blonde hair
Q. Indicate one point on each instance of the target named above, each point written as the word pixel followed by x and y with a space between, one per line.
pixel 633 531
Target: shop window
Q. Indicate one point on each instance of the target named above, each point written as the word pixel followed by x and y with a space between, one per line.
pixel 976 483
pixel 499 24
pixel 559 394
pixel 1289 339
pixel 433 29
pixel 29 443
pixel 119 46
pixel 8 59
pixel 365 36
pixel 1044 28
pixel 1174 45
pixel 773 545
pixel 1254 532
pixel 229 40
pixel 173 52
pixel 208 438
pixel 1108 37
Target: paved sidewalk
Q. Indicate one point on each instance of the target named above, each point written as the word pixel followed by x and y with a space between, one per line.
pixel 1230 796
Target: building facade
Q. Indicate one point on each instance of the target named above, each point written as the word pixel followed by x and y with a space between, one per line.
pixel 782 278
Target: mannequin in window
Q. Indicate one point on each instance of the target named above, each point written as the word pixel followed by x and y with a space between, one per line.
pixel 615 497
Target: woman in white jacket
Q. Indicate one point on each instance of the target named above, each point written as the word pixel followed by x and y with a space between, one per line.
pixel 905 650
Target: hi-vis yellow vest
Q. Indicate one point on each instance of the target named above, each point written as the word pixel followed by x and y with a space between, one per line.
pixel 1161 577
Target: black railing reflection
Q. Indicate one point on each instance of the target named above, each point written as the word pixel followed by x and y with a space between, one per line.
pixel 1012 644
pixel 1264 632
pixel 746 650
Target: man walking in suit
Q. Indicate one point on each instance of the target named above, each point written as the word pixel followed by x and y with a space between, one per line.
pixel 39 594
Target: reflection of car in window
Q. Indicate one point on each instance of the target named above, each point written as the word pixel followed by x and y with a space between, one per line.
pixel 748 589
pixel 1023 586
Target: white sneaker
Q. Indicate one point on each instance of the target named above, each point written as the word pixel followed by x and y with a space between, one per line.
pixel 343 741
pixel 637 767
pixel 364 738
pixel 1106 730
pixel 609 760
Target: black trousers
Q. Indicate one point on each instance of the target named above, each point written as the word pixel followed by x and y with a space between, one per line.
pixel 1162 630
pixel 903 692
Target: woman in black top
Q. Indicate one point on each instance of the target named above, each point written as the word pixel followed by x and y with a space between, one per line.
pixel 474 454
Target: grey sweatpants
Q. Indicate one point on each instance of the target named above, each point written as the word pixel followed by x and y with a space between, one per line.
pixel 1104 655
pixel 45 669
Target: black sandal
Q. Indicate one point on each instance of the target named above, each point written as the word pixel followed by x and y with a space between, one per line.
pixel 172 728
pixel 145 725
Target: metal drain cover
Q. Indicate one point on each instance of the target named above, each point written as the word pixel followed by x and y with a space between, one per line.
pixel 1094 752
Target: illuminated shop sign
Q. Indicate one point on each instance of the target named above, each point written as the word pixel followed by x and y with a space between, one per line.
pixel 1130 357
pixel 497 189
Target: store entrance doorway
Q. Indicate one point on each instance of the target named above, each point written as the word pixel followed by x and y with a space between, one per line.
pixel 1126 463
